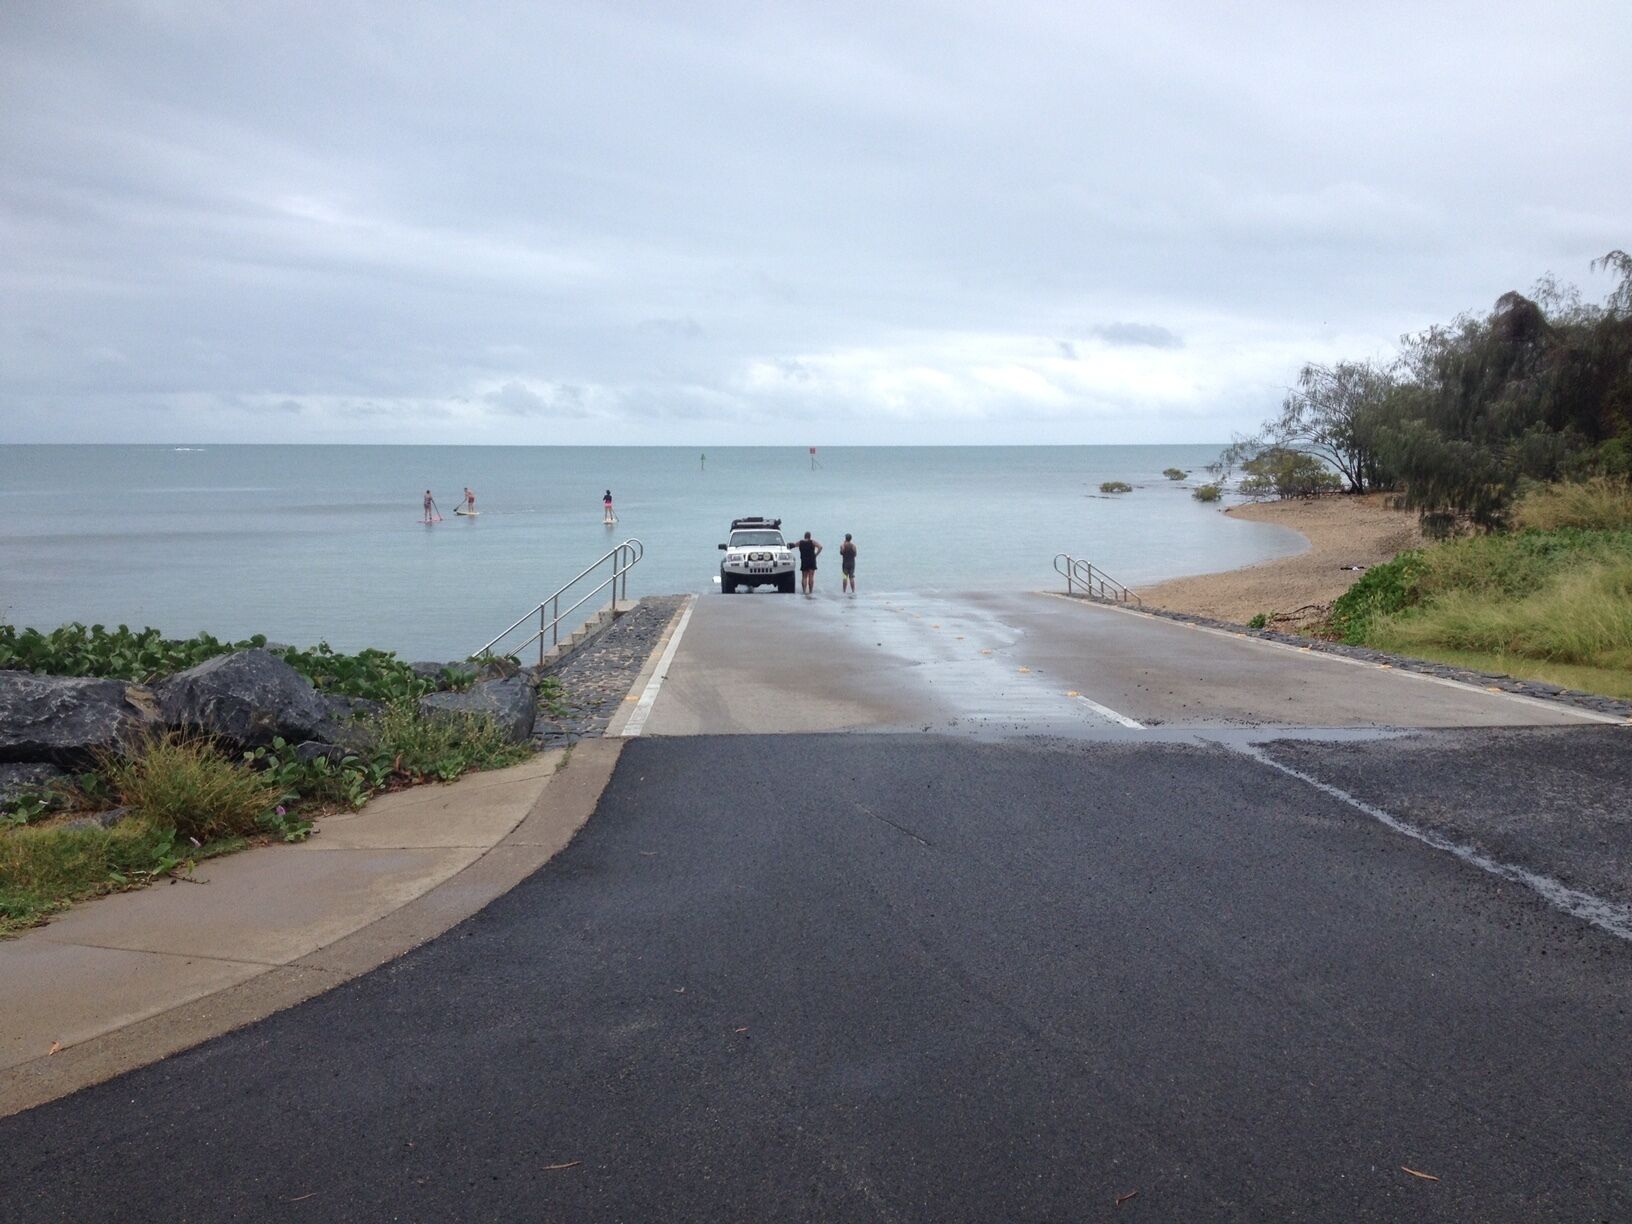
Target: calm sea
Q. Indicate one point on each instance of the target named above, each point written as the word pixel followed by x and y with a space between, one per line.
pixel 310 543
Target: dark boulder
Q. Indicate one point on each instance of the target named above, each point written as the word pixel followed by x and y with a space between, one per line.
pixel 443 675
pixel 511 703
pixel 246 698
pixel 351 719
pixel 67 720
pixel 19 780
pixel 498 667
pixel 316 750
pixel 342 708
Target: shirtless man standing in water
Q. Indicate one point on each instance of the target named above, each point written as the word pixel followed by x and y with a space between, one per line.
pixel 808 550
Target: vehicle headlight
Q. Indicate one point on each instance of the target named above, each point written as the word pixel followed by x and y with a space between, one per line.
pixel 733 558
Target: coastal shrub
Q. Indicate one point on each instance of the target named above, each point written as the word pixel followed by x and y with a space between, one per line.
pixel 1258 621
pixel 186 784
pixel 1116 486
pixel 441 748
pixel 45 870
pixel 1598 504
pixel 1535 389
pixel 1556 596
pixel 145 655
pixel 1286 473
pixel 140 655
pixel 1582 617
pixel 1174 473
pixel 1381 591
pixel 1512 566
pixel 376 674
pixel 1207 492
pixel 318 783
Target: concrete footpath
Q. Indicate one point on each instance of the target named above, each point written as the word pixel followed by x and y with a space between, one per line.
pixel 128 979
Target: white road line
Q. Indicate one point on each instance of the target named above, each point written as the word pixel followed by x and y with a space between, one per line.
pixel 1610 916
pixel 1107 712
pixel 1309 653
pixel 643 709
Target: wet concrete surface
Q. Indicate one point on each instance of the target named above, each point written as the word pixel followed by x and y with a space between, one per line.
pixel 994 664
pixel 910 977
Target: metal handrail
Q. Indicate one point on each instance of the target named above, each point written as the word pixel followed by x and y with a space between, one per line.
pixel 1096 583
pixel 624 557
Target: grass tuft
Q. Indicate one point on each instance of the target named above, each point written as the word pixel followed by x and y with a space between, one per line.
pixel 1582 617
pixel 186 784
pixel 1545 605
pixel 1592 505
pixel 442 747
pixel 46 870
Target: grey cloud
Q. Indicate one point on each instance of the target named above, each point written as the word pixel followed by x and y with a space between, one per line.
pixel 683 328
pixel 1138 335
pixel 242 211
pixel 518 399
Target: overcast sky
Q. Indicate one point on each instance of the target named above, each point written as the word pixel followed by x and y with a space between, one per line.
pixel 825 223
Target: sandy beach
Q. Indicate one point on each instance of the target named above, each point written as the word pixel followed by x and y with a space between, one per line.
pixel 1342 531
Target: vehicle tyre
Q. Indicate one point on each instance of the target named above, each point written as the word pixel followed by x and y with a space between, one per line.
pixel 728 585
pixel 785 584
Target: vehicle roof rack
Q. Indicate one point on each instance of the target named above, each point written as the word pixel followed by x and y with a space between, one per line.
pixel 755 522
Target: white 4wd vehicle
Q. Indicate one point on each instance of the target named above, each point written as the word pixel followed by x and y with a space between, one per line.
pixel 756 555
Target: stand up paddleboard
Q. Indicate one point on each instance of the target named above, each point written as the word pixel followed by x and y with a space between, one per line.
pixel 467 513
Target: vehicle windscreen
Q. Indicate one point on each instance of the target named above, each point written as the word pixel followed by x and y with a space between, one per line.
pixel 756 539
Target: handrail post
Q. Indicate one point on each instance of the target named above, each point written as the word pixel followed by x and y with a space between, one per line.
pixel 622 558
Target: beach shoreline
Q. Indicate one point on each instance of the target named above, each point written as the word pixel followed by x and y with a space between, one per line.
pixel 1343 532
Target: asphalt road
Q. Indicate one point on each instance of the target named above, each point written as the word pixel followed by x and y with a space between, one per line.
pixel 929 978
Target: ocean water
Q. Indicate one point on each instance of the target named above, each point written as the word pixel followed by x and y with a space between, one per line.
pixel 314 543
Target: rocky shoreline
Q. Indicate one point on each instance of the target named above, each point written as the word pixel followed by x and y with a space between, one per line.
pixel 52 726
pixel 596 678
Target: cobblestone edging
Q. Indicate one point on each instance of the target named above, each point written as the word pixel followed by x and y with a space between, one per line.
pixel 597 676
pixel 1507 684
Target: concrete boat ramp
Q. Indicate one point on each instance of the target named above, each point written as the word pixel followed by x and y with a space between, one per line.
pixel 1029 664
